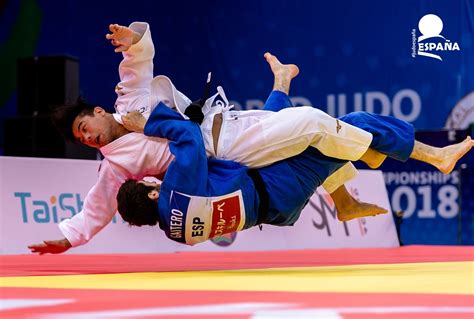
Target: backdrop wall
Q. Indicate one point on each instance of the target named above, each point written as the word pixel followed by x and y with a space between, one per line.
pixel 30 210
pixel 352 54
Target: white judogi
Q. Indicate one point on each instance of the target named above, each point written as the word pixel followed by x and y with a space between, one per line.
pixel 253 138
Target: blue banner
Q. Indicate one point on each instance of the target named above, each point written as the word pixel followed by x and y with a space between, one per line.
pixel 363 55
pixel 434 208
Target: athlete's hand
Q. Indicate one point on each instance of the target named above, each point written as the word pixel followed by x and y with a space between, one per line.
pixel 122 37
pixel 134 122
pixel 51 247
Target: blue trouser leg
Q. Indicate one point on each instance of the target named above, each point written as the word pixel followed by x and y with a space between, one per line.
pixel 276 101
pixel 391 136
pixel 308 170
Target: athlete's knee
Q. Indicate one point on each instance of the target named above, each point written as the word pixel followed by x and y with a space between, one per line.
pixel 312 113
pixel 355 117
pixel 308 116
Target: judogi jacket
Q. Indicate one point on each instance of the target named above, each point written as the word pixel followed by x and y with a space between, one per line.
pixel 201 198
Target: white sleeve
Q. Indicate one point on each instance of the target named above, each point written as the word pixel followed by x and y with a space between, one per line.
pixel 99 208
pixel 136 74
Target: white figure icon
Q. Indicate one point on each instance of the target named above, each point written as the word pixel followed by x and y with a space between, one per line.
pixel 430 26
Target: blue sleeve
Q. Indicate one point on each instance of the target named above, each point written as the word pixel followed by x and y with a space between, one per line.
pixel 188 172
pixel 276 101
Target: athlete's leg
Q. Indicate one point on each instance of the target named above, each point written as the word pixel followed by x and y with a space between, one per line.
pixel 391 136
pixel 443 158
pixel 283 75
pixel 258 139
pixel 277 101
pixel 311 168
pixel 396 139
pixel 347 207
pixel 373 158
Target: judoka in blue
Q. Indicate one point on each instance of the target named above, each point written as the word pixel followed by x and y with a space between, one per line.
pixel 201 198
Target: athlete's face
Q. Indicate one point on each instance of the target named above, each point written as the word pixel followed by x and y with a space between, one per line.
pixel 93 130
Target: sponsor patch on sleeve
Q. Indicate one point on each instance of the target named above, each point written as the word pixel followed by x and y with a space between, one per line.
pixel 197 218
pixel 226 215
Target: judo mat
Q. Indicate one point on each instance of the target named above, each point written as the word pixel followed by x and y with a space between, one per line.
pixel 406 282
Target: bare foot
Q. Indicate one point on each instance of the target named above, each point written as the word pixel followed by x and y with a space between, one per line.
pixel 359 209
pixel 448 156
pixel 373 158
pixel 283 73
pixel 288 70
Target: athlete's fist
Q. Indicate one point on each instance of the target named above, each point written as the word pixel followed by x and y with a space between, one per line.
pixel 134 122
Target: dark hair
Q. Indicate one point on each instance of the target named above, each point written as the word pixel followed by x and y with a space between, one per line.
pixel 134 205
pixel 64 115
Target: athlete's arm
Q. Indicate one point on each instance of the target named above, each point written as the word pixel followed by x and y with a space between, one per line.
pixel 189 168
pixel 99 209
pixel 136 68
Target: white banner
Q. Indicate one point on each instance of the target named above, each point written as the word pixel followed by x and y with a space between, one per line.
pixel 36 194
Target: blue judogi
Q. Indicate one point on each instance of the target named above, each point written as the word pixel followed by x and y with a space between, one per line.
pixel 391 136
pixel 202 198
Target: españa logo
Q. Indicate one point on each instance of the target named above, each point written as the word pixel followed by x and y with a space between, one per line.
pixel 431 43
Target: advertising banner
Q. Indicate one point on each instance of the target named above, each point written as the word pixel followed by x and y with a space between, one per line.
pixel 36 194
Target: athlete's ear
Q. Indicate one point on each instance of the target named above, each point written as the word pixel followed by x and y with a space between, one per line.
pixel 99 110
pixel 154 194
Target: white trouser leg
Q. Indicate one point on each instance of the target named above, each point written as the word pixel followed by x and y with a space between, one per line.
pixel 259 138
pixel 339 177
